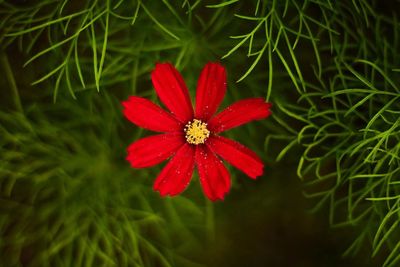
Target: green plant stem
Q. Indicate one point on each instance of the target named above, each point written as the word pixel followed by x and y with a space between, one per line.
pixel 210 222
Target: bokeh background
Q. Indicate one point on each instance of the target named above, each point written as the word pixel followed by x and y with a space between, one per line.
pixel 329 193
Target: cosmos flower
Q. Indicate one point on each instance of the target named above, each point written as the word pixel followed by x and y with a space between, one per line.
pixel 190 137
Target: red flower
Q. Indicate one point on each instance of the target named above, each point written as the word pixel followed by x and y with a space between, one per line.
pixel 190 136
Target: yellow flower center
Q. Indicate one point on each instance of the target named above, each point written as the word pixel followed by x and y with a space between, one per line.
pixel 196 132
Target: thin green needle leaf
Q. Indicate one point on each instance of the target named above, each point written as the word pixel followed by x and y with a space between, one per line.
pixel 11 81
pixel 257 7
pixel 69 85
pixel 236 47
pixel 300 167
pixel 285 150
pixel 78 65
pixel 360 77
pixel 94 50
pixel 260 53
pixel 294 60
pixel 381 72
pixel 51 48
pixel 315 48
pixel 104 47
pixel 249 18
pixel 158 23
pixel 118 4
pixel 223 4
pixel 57 85
pixel 395 251
pixel 270 73
pixel 48 75
pixel 383 109
pixel 358 104
pixel 377 243
pixel 289 71
pixel 135 15
pixel 47 24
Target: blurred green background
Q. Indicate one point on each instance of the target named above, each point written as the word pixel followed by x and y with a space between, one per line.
pixel 68 197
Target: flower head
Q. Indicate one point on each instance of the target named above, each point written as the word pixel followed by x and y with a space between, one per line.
pixel 191 136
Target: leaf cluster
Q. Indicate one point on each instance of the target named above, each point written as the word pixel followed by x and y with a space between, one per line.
pixel 348 128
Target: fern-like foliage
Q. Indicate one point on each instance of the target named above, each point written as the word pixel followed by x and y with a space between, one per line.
pixel 94 44
pixel 278 29
pixel 66 199
pixel 350 128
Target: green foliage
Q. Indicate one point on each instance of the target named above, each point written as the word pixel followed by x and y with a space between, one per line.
pixel 94 43
pixel 68 197
pixel 273 34
pixel 349 128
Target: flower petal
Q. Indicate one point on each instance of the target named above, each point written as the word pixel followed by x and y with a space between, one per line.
pixel 237 155
pixel 239 113
pixel 172 91
pixel 176 175
pixel 146 114
pixel 214 177
pixel 211 89
pixel 154 149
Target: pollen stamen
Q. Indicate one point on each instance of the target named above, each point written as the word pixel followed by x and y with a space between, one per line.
pixel 196 132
